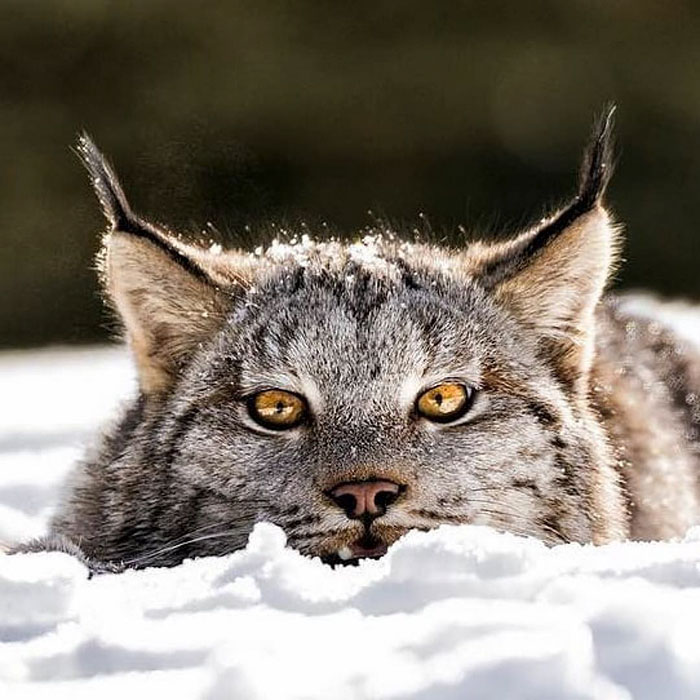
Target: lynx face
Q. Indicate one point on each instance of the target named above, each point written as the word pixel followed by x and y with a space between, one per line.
pixel 356 353
pixel 352 392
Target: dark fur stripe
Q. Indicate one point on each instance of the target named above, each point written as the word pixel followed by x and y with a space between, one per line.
pixel 528 485
pixel 542 413
pixel 565 477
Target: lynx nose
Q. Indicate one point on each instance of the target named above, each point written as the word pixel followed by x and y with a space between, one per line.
pixel 365 499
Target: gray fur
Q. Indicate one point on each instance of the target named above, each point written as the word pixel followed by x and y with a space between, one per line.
pixel 580 430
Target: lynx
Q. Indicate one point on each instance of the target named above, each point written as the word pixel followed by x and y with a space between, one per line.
pixel 352 391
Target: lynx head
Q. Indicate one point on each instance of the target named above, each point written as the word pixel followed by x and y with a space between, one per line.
pixel 350 392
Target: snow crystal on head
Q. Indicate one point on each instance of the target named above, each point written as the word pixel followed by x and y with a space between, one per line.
pixel 375 253
pixel 293 251
pixel 367 253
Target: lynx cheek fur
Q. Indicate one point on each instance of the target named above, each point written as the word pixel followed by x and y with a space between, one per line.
pixel 352 392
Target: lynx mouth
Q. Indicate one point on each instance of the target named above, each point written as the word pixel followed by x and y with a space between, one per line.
pixel 366 547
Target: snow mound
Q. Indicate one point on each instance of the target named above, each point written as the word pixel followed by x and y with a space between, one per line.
pixel 460 612
pixel 457 612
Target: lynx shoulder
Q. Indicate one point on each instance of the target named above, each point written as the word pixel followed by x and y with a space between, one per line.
pixel 350 392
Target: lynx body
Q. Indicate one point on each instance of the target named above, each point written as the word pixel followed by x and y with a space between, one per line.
pixel 350 392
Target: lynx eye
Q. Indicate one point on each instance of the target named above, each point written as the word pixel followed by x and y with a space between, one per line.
pixel 277 409
pixel 444 403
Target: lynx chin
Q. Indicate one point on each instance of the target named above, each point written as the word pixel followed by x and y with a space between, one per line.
pixel 350 392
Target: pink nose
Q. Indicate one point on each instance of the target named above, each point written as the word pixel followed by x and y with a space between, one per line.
pixel 362 499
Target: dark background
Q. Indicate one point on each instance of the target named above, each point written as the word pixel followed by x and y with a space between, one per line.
pixel 242 113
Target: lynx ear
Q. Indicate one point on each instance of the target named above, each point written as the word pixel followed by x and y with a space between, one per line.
pixel 170 296
pixel 553 277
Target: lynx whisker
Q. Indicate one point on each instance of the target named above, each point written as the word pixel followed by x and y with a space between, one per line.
pixel 173 547
pixel 302 536
pixel 539 525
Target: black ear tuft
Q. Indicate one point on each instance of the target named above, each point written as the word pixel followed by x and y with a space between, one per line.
pixel 596 171
pixel 597 166
pixel 107 187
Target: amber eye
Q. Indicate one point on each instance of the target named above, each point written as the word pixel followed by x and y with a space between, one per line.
pixel 444 403
pixel 277 409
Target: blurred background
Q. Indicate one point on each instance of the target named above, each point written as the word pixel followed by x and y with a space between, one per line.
pixel 222 117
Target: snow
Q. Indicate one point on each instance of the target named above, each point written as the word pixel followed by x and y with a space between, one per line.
pixel 460 612
pixel 366 253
